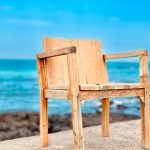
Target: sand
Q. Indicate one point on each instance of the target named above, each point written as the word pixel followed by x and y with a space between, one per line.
pixel 123 136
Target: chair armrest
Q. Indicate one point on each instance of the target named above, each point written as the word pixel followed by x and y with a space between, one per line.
pixel 58 52
pixel 126 54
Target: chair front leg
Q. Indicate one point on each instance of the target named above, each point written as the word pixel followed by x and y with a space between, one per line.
pixel 77 123
pixel 105 117
pixel 145 121
pixel 43 103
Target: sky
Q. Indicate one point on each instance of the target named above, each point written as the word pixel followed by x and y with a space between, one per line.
pixel 119 25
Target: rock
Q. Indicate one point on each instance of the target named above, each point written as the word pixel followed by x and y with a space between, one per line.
pixel 16 125
pixel 23 132
pixel 4 126
pixel 121 107
pixel 34 127
pixel 11 135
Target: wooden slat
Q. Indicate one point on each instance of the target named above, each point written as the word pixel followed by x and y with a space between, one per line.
pixel 101 86
pixel 57 94
pixel 107 86
pixel 64 94
pixel 111 93
pixel 58 52
pixel 126 54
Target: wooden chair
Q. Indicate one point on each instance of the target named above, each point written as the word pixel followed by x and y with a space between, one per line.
pixel 76 70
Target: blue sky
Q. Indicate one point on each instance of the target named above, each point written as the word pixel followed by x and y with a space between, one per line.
pixel 120 25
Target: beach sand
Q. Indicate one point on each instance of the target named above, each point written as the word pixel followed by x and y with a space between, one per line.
pixel 123 136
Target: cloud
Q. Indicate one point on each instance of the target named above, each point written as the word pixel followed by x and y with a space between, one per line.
pixel 5 8
pixel 114 19
pixel 30 22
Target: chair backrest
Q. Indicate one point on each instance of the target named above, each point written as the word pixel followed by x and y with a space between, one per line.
pixel 90 62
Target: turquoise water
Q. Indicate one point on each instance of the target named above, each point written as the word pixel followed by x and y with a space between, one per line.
pixel 19 88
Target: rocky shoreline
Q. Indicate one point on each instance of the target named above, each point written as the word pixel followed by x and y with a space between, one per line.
pixel 22 124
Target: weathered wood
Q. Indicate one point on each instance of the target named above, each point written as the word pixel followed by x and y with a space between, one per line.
pixel 111 93
pixel 145 116
pixel 89 60
pixel 43 104
pixel 105 106
pixel 105 116
pixel 58 52
pixel 75 102
pixel 107 86
pixel 87 79
pixel 126 54
pixel 57 87
pixel 65 94
pixel 141 98
pixel 103 86
pixel 59 94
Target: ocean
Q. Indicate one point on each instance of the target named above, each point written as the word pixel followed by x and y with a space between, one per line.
pixel 19 89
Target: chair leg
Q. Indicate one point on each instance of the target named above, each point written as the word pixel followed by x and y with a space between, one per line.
pixel 77 123
pixel 145 121
pixel 105 117
pixel 44 121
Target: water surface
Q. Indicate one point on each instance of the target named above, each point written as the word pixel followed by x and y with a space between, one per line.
pixel 19 89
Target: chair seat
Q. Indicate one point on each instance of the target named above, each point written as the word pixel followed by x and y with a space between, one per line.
pixel 103 86
pixel 101 90
pixel 110 86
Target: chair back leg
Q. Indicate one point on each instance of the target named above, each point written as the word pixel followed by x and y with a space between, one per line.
pixel 105 117
pixel 44 121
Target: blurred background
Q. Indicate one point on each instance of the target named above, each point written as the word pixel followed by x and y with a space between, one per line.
pixel 119 25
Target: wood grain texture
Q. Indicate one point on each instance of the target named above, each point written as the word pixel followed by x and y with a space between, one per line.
pixel 65 94
pixel 89 60
pixel 145 116
pixel 57 94
pixel 105 106
pixel 43 103
pixel 141 98
pixel 75 102
pixel 126 54
pixel 103 86
pixel 58 52
pixel 83 75
pixel 107 86
pixel 111 93
pixel 57 87
pixel 105 116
